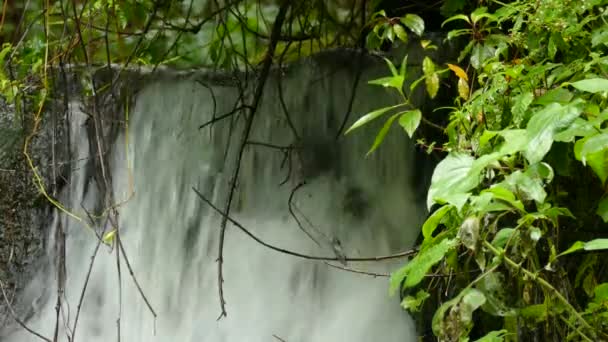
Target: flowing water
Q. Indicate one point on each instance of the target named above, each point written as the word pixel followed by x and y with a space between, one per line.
pixel 171 236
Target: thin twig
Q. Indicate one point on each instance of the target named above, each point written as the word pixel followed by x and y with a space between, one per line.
pixel 289 205
pixel 276 31
pixel 223 116
pixel 278 338
pixel 349 269
pixel 141 292
pixel 20 322
pixel 297 254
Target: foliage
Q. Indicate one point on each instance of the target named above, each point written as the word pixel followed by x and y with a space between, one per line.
pixel 522 176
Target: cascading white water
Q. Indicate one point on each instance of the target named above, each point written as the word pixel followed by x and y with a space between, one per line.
pixel 171 236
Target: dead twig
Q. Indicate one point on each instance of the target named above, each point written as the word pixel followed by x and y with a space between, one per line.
pixel 20 322
pixel 276 31
pixel 297 254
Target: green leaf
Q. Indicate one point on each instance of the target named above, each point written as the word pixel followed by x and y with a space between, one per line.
pixel 521 103
pixel 382 133
pixel 432 85
pixel 557 95
pixel 428 67
pixel 600 292
pixel 534 313
pixel 602 209
pixel 578 128
pixel 494 336
pixel 403 68
pixel 391 66
pixel 480 54
pixel 595 144
pixel 414 23
pixel 451 176
pixel 456 17
pixel 515 140
pixel 463 88
pixel 592 85
pixel 413 303
pixel 593 245
pixel 597 161
pixel 433 221
pixel 390 33
pixel 596 245
pixel 410 120
pixel 369 117
pixel 543 126
pixel 108 238
pixel 400 32
pixel 599 36
pixel 503 235
pixel 392 82
pixel 417 268
pixel 471 301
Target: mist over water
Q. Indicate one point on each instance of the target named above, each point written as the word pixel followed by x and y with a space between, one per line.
pixel 171 236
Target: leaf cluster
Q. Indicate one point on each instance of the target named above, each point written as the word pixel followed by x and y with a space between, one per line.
pixel 519 205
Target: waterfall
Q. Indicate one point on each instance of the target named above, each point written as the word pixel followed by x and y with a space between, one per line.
pixel 171 237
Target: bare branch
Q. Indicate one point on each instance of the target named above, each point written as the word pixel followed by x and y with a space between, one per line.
pixel 297 254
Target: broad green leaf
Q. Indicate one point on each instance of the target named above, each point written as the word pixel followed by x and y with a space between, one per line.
pixel 597 161
pixel 534 313
pixel 501 193
pixel 597 244
pixel 369 117
pixel 428 67
pixel 595 144
pixel 413 303
pixel 410 120
pixel 480 54
pixel 557 95
pixel 458 71
pixel 414 23
pixel 471 301
pixel 486 136
pixel 515 140
pixel 479 13
pixel 521 103
pixel 392 82
pixel 600 292
pixel 543 126
pixel 578 128
pixel 463 88
pixel 599 36
pixel 593 245
pixel 602 209
pixel 400 32
pixel 503 235
pixel 433 221
pixel 451 176
pixel 456 17
pixel 418 267
pixel 531 189
pixel 494 336
pixel 389 33
pixel 591 85
pixel 432 85
pixel 460 32
pixel 382 133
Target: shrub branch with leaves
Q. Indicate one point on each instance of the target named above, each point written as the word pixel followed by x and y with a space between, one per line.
pixel 518 200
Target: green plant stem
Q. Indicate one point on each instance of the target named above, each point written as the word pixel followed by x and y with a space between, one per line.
pixel 500 253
